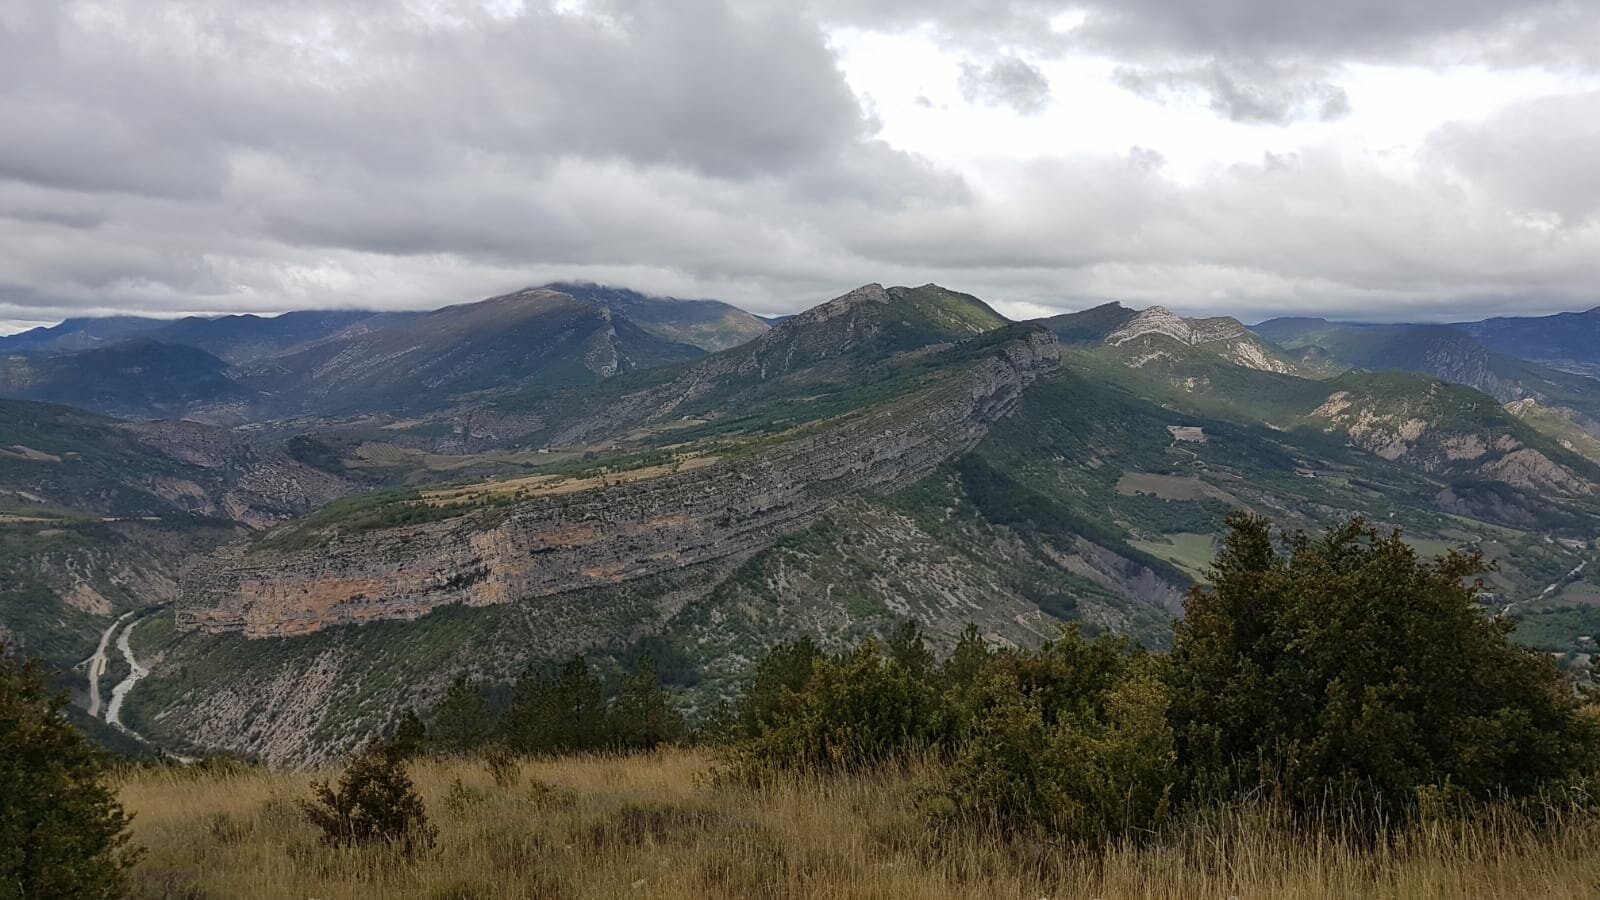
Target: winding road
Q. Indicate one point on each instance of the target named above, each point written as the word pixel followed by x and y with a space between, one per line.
pixel 98 663
pixel 120 692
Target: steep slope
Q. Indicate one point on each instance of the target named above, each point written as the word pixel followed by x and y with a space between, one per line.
pixel 402 556
pixel 1156 336
pixel 533 337
pixel 138 378
pixel 1159 338
pixel 96 515
pixel 1451 429
pixel 1445 352
pixel 1568 341
pixel 710 325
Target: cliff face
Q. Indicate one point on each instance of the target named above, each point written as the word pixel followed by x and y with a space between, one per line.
pixel 1145 334
pixel 609 535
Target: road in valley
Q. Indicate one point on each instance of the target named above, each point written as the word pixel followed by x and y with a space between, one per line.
pixel 120 692
pixel 97 664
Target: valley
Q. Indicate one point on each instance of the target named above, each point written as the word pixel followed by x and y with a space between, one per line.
pixel 322 542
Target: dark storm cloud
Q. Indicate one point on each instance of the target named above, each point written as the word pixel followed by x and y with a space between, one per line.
pixel 1007 81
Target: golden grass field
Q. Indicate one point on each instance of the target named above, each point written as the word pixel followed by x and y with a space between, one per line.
pixel 659 826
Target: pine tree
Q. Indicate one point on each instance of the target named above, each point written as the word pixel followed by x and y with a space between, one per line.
pixel 461 721
pixel 641 717
pixel 62 832
pixel 407 733
pixel 577 708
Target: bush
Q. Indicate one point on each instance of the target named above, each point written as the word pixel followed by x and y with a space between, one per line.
pixel 374 803
pixel 1071 741
pixel 857 709
pixel 62 832
pixel 1348 671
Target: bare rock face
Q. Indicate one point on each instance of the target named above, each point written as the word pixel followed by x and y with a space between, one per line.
pixel 1226 335
pixel 1162 321
pixel 609 535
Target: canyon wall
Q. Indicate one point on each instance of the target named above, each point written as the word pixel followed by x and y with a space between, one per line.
pixel 552 544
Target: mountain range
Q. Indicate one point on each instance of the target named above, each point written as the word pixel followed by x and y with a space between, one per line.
pixel 325 517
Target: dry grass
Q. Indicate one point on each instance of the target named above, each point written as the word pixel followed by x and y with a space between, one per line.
pixel 542 485
pixel 656 826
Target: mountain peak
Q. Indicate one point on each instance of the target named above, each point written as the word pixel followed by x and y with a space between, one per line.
pixel 843 304
pixel 1163 321
pixel 711 325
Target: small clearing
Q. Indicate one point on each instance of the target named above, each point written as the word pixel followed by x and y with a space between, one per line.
pixel 1188 551
pixel 1170 487
pixel 544 485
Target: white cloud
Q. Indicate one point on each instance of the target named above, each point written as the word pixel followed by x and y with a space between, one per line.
pixel 176 155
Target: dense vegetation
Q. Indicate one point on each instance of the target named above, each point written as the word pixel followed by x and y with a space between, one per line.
pixel 567 710
pixel 62 832
pixel 1340 676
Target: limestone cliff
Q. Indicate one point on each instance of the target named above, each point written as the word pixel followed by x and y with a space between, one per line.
pixel 550 544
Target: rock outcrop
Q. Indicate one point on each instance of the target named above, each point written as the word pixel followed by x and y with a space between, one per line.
pixel 608 535
pixel 1223 335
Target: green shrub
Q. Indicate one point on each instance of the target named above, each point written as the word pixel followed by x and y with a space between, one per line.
pixel 1346 670
pixel 857 709
pixel 1071 740
pixel 62 832
pixel 373 803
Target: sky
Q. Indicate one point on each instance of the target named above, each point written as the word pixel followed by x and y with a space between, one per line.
pixel 1431 160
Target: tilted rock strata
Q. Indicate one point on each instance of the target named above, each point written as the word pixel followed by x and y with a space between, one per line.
pixel 609 535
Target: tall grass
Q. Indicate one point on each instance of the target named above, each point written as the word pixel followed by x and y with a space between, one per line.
pixel 660 826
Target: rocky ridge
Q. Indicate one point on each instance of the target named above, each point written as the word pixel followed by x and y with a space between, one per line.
pixel 1225 336
pixel 549 545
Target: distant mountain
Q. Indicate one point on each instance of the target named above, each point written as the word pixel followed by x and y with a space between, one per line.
pixel 1447 352
pixel 1157 336
pixel 995 479
pixel 137 378
pixel 1568 341
pixel 1089 326
pixel 1451 429
pixel 819 362
pixel 708 324
pixel 537 338
pixel 78 334
pixel 243 338
pixel 559 478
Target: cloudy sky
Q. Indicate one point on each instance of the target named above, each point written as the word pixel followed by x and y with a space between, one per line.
pixel 1366 158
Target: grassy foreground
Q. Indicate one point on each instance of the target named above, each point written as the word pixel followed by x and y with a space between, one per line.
pixel 658 826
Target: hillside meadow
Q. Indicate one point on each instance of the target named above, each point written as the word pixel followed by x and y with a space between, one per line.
pixel 662 825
